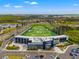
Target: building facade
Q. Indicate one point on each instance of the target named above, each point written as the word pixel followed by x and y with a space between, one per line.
pixel 40 42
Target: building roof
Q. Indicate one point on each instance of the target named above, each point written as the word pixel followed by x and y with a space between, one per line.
pixel 40 39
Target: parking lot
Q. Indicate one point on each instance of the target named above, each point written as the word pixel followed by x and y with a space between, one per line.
pixel 67 55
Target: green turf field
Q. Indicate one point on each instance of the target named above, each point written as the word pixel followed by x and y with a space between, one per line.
pixel 38 30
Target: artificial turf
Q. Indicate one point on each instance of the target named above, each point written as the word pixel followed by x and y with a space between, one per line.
pixel 38 30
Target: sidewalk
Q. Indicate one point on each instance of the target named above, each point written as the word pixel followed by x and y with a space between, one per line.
pixel 56 49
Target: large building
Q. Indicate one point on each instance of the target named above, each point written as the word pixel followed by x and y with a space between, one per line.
pixel 40 42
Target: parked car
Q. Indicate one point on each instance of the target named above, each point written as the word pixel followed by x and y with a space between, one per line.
pixel 74 52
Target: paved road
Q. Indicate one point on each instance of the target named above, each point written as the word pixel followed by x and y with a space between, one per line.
pixel 5 43
pixel 46 54
pixel 30 52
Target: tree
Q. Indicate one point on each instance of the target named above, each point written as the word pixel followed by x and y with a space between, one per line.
pixel 73 36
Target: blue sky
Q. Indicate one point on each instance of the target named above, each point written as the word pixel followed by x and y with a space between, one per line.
pixel 39 6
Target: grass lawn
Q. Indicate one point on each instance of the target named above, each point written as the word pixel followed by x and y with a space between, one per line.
pixel 15 57
pixel 38 30
pixel 7 30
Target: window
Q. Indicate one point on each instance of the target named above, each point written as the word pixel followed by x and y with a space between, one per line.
pixel 62 39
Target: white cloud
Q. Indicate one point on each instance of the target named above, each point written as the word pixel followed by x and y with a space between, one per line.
pixel 7 5
pixel 75 4
pixel 33 3
pixel 13 6
pixel 26 2
pixel 18 6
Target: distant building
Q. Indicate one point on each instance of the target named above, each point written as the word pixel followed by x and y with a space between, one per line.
pixel 9 25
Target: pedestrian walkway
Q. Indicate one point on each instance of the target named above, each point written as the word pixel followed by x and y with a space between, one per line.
pixel 58 50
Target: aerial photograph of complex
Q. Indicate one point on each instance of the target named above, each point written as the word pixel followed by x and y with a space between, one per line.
pixel 39 29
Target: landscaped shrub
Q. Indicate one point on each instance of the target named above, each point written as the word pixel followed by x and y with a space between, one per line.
pixel 12 47
pixel 0 43
pixel 60 46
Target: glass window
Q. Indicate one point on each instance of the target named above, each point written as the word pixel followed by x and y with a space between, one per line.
pixel 62 39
